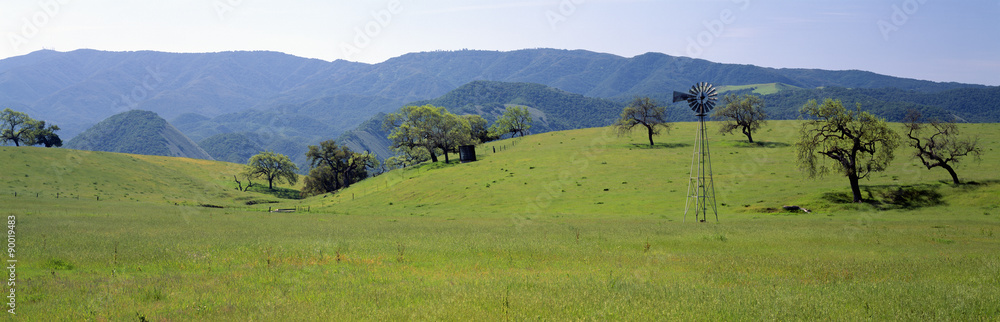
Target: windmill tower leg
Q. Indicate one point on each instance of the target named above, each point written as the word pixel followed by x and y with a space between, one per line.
pixel 701 187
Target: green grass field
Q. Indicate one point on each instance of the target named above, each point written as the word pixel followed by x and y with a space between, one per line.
pixel 759 89
pixel 567 225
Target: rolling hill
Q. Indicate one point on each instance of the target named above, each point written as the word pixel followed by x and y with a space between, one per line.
pixel 592 172
pixel 89 176
pixel 137 132
pixel 759 89
pixel 577 224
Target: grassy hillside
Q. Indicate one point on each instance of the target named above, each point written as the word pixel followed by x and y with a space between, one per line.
pixel 564 225
pixel 138 132
pixel 63 177
pixel 759 89
pixel 593 172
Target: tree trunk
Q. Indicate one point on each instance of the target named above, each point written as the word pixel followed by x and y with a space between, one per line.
pixel 649 130
pixel 434 157
pixel 446 156
pixel 749 135
pixel 954 176
pixel 855 187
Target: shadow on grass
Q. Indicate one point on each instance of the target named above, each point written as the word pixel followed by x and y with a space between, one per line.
pixel 283 193
pixel 659 146
pixel 761 144
pixel 892 196
pixel 433 165
pixel 971 185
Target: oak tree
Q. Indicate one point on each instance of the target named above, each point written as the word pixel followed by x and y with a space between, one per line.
pixel 19 128
pixel 744 112
pixel 428 127
pixel 478 128
pixel 335 167
pixel 516 121
pixel 858 142
pixel 643 111
pixel 938 144
pixel 46 136
pixel 272 166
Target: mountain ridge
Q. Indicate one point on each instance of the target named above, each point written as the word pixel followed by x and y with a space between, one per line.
pixel 79 88
pixel 289 98
pixel 552 109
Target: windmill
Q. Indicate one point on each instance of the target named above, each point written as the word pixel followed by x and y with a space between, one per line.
pixel 701 189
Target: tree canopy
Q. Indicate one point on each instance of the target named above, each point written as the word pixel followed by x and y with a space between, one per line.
pixel 516 120
pixel 19 128
pixel 272 166
pixel 428 127
pixel 478 128
pixel 46 135
pixel 335 167
pixel 744 112
pixel 645 112
pixel 938 143
pixel 406 157
pixel 859 143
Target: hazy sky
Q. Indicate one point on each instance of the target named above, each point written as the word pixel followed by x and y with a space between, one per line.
pixel 924 39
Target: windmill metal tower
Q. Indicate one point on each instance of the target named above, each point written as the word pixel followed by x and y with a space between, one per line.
pixel 701 189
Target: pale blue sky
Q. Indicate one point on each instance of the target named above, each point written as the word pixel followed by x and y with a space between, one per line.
pixel 924 39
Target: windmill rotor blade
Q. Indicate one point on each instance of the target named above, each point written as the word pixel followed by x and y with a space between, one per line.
pixel 701 97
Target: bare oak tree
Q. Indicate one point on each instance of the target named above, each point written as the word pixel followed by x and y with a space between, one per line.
pixel 744 112
pixel 937 143
pixel 645 112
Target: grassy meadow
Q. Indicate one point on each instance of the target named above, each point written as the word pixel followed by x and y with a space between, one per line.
pixel 566 225
pixel 760 89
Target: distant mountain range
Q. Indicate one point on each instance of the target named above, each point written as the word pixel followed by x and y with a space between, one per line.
pixel 137 132
pixel 283 98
